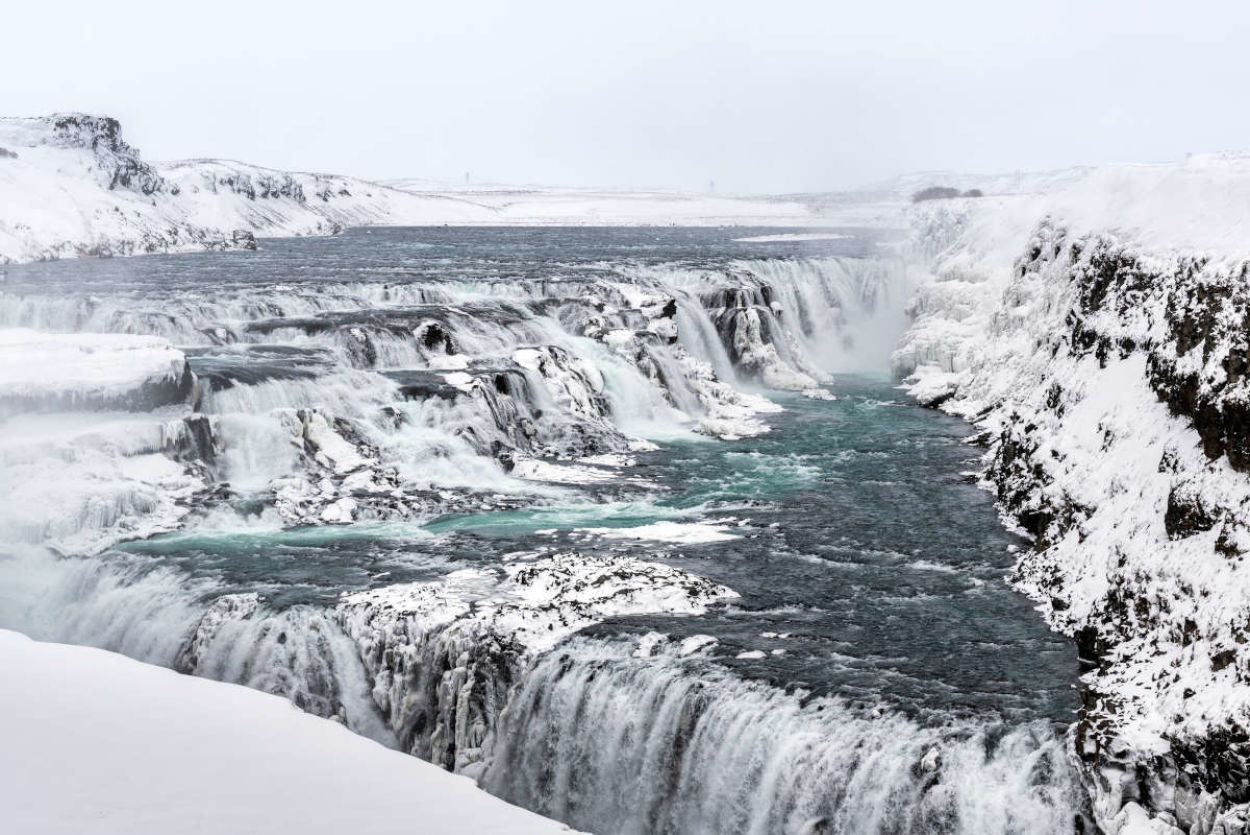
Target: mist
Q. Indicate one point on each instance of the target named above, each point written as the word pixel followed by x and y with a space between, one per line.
pixel 736 96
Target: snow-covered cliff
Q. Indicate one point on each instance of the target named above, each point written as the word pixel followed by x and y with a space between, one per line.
pixel 1099 334
pixel 71 186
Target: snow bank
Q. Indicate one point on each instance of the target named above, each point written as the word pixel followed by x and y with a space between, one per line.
pixel 85 369
pixel 95 742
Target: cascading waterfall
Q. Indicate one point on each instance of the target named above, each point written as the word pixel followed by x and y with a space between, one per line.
pixel 369 402
pixel 640 351
pixel 615 744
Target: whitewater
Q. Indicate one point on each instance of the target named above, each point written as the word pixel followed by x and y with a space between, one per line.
pixel 630 526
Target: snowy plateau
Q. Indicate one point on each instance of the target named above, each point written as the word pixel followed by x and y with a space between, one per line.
pixel 1094 324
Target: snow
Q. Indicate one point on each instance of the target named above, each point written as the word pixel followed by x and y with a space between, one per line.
pixel 1135 820
pixel 107 365
pixel 609 459
pixel 95 742
pixel 679 533
pixel 1022 327
pixel 333 450
pixel 563 206
pixel 535 469
pixel 538 603
pixel 460 380
pixel 74 188
pixel 791 236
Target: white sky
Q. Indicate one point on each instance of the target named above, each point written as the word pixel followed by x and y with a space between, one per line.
pixel 759 96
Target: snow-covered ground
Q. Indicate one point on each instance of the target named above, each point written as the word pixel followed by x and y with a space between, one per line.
pixel 95 742
pixel 71 186
pixel 1093 323
pixel 548 206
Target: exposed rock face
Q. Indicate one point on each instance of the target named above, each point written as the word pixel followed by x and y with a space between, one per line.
pixel 1113 386
pixel 119 162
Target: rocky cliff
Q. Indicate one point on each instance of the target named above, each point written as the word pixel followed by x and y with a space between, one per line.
pixel 1107 367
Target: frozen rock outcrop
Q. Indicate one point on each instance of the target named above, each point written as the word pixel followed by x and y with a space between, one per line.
pixel 444 655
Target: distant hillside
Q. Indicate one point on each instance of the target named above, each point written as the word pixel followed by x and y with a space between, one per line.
pixel 73 186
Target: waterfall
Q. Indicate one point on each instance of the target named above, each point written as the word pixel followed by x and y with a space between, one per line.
pixel 318 404
pixel 416 386
pixel 620 745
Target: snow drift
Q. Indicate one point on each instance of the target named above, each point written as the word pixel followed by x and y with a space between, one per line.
pixel 95 742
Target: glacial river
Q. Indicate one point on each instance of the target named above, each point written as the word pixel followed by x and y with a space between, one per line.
pixel 873 673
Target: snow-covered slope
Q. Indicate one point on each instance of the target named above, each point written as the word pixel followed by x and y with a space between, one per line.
pixel 95 742
pixel 71 186
pixel 1099 333
pixel 549 206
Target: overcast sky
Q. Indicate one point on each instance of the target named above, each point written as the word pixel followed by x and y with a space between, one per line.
pixel 763 96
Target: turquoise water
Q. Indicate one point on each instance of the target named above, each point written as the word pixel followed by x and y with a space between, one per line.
pixel 855 530
pixel 870 568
